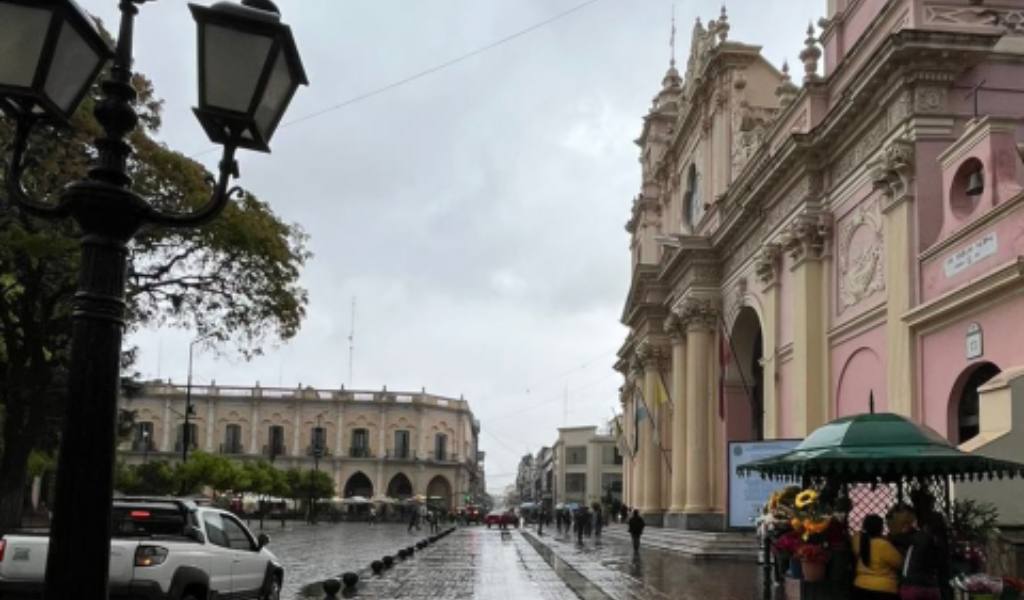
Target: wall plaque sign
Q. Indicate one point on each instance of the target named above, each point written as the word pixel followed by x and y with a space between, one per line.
pixel 975 341
pixel 971 255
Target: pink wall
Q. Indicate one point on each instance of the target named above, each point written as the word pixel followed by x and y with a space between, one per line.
pixel 943 354
pixel 1000 95
pixel 929 197
pixel 858 370
pixel 939 277
pixel 785 329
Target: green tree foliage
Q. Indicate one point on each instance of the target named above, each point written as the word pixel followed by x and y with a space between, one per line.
pixel 235 280
pixel 222 475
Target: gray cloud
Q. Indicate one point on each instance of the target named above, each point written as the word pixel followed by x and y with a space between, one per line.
pixel 476 213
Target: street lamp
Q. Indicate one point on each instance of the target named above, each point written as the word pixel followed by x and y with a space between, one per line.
pixel 50 54
pixel 186 437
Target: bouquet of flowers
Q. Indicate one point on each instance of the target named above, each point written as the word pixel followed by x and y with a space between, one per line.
pixel 979 584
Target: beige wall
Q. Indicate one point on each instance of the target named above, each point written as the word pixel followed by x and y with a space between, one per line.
pixel 593 470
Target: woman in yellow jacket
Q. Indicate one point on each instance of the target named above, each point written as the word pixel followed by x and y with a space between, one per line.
pixel 878 563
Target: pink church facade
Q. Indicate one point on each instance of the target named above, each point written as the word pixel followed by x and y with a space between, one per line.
pixel 800 251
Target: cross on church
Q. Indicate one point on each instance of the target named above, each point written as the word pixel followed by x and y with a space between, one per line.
pixel 975 91
pixel 672 39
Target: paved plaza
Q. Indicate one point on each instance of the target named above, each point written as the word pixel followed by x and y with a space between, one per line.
pixel 479 563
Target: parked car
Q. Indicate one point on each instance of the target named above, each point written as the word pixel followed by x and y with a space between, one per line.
pixel 161 549
pixel 501 518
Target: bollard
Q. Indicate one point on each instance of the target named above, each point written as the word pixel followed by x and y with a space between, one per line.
pixel 376 566
pixel 403 554
pixel 389 561
pixel 350 580
pixel 410 550
pixel 331 588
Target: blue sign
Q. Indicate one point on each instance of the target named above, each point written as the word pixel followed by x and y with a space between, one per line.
pixel 748 494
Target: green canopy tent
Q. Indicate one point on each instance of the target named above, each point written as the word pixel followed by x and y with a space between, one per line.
pixel 878 448
pixel 874 459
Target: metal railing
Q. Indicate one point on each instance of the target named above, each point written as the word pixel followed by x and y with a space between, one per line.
pixel 232 448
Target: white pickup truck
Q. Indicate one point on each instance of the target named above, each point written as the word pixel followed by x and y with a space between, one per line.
pixel 161 549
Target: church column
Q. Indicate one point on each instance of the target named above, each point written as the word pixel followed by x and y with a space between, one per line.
pixel 806 240
pixel 651 507
pixel 892 173
pixel 679 441
pixel 700 316
pixel 767 268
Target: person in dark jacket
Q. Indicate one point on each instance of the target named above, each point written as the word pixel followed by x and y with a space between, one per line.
pixel 926 568
pixel 598 520
pixel 636 529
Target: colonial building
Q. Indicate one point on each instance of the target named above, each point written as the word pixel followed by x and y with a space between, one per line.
pixel 375 444
pixel 587 466
pixel 525 476
pixel 799 251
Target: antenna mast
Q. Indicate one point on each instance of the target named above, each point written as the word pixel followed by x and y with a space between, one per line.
pixel 352 342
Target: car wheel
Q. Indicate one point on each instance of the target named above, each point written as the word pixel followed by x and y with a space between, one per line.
pixel 274 593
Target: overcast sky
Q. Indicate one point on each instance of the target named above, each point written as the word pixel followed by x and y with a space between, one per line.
pixel 476 213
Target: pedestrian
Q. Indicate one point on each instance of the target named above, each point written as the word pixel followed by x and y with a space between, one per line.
pixel 624 516
pixel 558 521
pixel 598 520
pixel 636 529
pixel 878 563
pixel 413 518
pixel 540 522
pixel 373 516
pixel 588 521
pixel 926 568
pixel 581 523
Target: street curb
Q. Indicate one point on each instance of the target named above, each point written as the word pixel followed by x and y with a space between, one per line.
pixel 581 585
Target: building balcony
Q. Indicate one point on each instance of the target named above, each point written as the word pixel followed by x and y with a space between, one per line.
pixel 232 448
pixel 400 454
pixel 143 446
pixel 273 452
pixel 360 452
pixel 325 452
pixel 192 446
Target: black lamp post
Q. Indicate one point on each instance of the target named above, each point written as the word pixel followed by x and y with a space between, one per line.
pixel 50 54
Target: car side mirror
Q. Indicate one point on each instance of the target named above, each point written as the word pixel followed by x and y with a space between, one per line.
pixel 193 533
pixel 262 540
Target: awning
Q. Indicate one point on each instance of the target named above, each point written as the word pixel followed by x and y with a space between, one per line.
pixel 879 447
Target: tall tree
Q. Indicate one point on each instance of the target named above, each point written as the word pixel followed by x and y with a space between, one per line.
pixel 235 280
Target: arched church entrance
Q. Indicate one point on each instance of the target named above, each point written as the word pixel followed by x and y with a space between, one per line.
pixel 359 485
pixel 964 405
pixel 400 487
pixel 744 378
pixel 439 493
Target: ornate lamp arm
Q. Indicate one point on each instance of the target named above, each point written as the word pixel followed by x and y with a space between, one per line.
pixel 15 170
pixel 221 194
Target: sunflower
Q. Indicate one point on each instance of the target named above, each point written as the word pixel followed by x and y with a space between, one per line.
pixel 806 498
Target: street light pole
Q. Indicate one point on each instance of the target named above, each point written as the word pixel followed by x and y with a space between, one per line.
pixel 63 51
pixel 186 438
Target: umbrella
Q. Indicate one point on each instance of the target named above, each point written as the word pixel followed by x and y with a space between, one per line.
pixel 355 500
pixel 883 446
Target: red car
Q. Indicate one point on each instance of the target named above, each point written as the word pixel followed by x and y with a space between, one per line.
pixel 501 519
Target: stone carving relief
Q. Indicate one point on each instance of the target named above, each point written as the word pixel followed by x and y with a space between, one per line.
pixel 1011 20
pixel 930 99
pixel 770 219
pixel 892 171
pixel 767 265
pixel 861 255
pixel 698 312
pixel 807 236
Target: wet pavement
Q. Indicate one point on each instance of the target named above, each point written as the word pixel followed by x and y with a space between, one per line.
pixel 477 563
pixel 312 553
pixel 610 565
pixel 471 563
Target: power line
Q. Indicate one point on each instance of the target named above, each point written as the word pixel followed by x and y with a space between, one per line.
pixel 430 70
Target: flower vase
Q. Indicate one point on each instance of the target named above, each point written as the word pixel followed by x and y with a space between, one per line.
pixel 813 571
